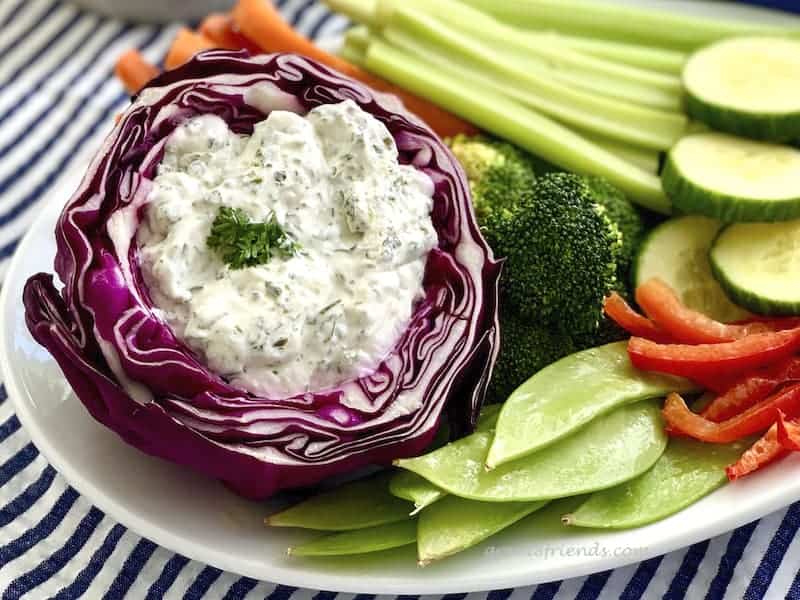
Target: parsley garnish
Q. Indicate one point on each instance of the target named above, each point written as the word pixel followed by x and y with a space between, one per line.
pixel 241 243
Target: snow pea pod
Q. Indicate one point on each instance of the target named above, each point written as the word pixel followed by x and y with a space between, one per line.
pixel 454 524
pixel 687 471
pixel 612 449
pixel 417 489
pixel 360 541
pixel 354 505
pixel 420 491
pixel 488 417
pixel 566 395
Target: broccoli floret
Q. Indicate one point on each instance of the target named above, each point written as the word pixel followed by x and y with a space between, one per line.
pixel 568 241
pixel 628 219
pixel 498 172
pixel 526 346
pixel 561 253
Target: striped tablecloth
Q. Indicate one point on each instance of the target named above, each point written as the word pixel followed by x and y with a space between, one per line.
pixel 57 97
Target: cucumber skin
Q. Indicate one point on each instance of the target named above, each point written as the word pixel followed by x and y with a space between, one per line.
pixel 691 199
pixel 781 128
pixel 756 304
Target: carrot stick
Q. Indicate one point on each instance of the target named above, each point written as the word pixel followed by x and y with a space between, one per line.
pixel 221 29
pixel 187 43
pixel 133 70
pixel 262 23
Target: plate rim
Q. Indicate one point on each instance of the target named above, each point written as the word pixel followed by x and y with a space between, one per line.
pixel 278 574
pixel 275 573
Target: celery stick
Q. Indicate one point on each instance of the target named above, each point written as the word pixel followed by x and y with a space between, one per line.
pixel 585 79
pixel 360 11
pixel 467 20
pixel 620 90
pixel 357 37
pixel 561 54
pixel 621 23
pixel 457 65
pixel 511 120
pixel 353 54
pixel 615 119
pixel 599 85
pixel 636 55
pixel 466 68
pixel 648 160
pixel 356 41
pixel 581 70
pixel 587 82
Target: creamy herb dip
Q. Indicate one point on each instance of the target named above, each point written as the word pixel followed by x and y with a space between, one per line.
pixel 360 219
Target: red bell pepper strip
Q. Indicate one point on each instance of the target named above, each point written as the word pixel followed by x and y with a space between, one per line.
pixel 703 362
pixel 751 389
pixel 698 404
pixel 766 450
pixel 772 323
pixel 739 398
pixel 719 384
pixel 788 433
pixel 618 310
pixel 756 419
pixel 660 302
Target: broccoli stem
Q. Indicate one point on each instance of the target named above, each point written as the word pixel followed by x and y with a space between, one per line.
pixel 635 55
pixel 506 118
pixel 623 23
pixel 615 119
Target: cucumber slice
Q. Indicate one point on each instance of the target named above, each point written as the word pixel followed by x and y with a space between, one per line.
pixel 749 86
pixel 733 179
pixel 677 252
pixel 758 265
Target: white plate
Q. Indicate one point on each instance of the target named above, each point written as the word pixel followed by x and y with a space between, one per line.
pixel 202 520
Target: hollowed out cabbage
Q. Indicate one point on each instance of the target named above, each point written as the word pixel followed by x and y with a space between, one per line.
pixel 134 376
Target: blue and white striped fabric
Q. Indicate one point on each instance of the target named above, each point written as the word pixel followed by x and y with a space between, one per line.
pixel 57 97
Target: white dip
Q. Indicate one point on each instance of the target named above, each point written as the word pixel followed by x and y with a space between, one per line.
pixel 360 219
